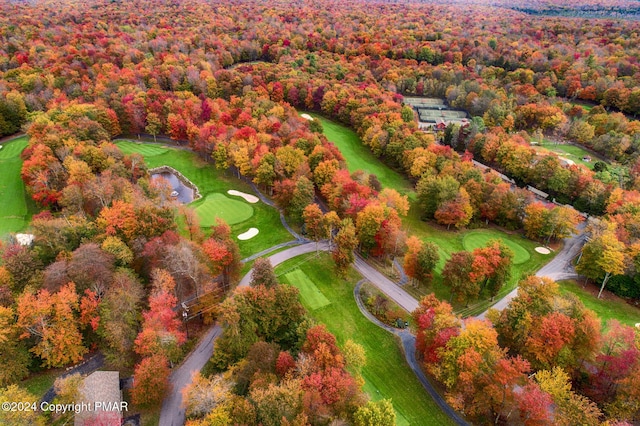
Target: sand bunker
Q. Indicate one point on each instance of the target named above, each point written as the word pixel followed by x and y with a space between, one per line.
pixel 306 116
pixel 252 232
pixel 247 197
pixel 542 250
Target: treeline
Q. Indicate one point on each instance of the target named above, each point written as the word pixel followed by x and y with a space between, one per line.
pixel 596 64
pixel 236 117
pixel 585 12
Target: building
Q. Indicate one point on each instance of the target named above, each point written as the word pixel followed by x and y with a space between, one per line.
pixel 486 168
pixel 101 400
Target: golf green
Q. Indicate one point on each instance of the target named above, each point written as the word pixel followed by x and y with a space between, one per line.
pixel 386 373
pixel 219 205
pixel 210 180
pixel 311 294
pixel 480 238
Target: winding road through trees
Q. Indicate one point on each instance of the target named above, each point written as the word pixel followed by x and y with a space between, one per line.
pixel 409 348
pixel 173 413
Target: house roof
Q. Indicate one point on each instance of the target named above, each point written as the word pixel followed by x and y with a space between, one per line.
pixel 99 386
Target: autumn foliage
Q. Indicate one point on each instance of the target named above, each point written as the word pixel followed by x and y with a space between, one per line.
pixel 151 380
pixel 53 320
pixel 227 81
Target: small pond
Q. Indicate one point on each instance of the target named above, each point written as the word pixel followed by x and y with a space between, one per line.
pixel 181 192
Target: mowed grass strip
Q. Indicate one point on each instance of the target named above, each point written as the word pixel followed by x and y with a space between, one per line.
pixel 359 157
pixel 218 205
pixel 386 373
pixel 38 384
pixel 14 148
pixel 210 180
pixel 312 296
pixel 17 206
pixel 480 238
pixel 607 308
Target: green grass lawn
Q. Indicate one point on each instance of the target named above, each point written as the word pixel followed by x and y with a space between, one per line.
pixel 449 242
pixel 606 308
pixel 570 152
pixel 146 150
pixel 584 105
pixel 359 157
pixel 480 237
pixel 219 205
pixel 40 383
pixel 210 180
pixel 17 205
pixel 386 374
pixel 312 296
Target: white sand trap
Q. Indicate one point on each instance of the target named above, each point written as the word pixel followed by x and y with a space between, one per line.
pixel 247 197
pixel 252 232
pixel 542 250
pixel 306 116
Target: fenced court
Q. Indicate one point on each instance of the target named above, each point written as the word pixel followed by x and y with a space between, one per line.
pixel 424 102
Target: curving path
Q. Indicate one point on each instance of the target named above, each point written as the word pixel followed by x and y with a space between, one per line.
pixel 282 218
pixel 287 254
pixel 172 412
pixel 409 348
pixel 10 138
pixel 388 287
pixel 270 249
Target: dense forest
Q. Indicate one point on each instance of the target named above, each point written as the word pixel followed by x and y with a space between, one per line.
pixel 227 80
pixel 623 9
